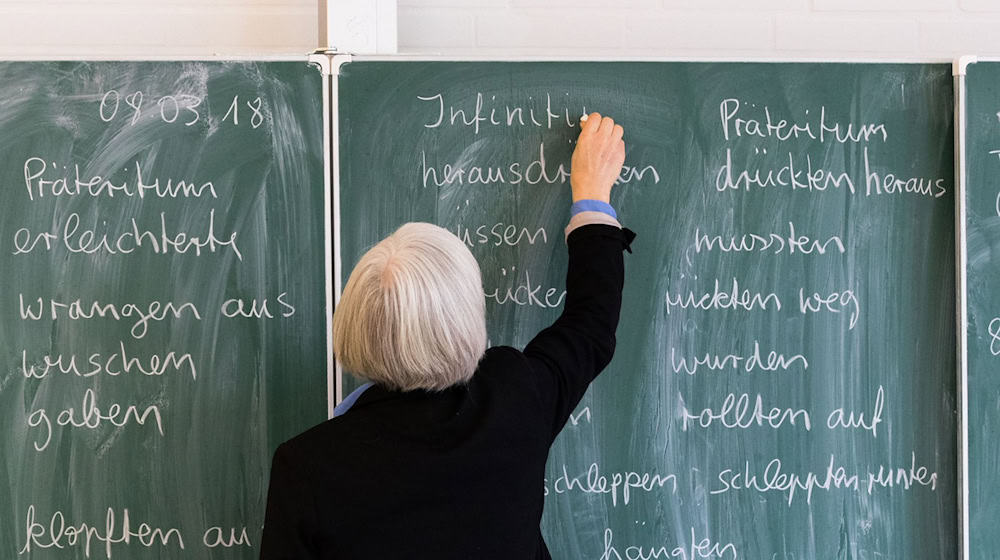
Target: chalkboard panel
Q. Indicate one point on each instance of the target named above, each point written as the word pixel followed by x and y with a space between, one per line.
pixel 784 381
pixel 162 312
pixel 982 139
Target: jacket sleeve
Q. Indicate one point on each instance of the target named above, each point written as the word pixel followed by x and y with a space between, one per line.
pixel 286 533
pixel 568 355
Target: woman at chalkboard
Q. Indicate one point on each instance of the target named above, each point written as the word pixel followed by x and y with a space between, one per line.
pixel 442 454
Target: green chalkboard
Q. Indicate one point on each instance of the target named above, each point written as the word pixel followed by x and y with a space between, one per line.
pixel 148 210
pixel 982 222
pixel 784 382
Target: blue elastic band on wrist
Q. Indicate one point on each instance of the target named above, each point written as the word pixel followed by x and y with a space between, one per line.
pixel 591 205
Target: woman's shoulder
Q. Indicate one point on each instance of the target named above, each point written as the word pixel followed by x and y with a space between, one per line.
pixel 504 361
pixel 502 353
pixel 506 369
pixel 309 442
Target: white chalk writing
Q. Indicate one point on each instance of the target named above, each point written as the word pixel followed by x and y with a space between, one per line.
pixel 774 479
pixel 801 175
pixel 904 477
pixel 774 243
pixel 162 240
pixel 91 417
pixel 58 533
pixel 695 548
pixel 761 123
pixel 492 113
pixel 170 107
pixel 500 234
pixel 834 302
pixel 771 361
pixel 257 309
pixel 215 537
pixel 721 299
pixel 584 413
pixel 537 171
pixel 839 418
pixel 889 183
pixel 994 330
pixel 526 293
pixel 77 310
pixel 742 412
pixel 114 364
pixel 620 485
pixel 794 174
pixel 41 182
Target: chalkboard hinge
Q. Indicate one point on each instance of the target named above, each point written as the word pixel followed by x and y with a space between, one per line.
pixel 961 63
pixel 329 61
pixel 339 60
pixel 321 61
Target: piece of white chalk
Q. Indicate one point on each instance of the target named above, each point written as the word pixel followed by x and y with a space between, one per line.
pixel 583 118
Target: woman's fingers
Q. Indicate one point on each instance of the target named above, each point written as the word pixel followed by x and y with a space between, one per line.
pixel 607 126
pixel 592 123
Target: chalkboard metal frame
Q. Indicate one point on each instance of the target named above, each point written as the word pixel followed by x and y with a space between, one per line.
pixel 318 59
pixel 958 64
pixel 338 59
pixel 303 65
pixel 958 71
pixel 961 66
pixel 323 61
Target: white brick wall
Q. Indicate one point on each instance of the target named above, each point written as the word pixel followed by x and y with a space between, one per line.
pixel 843 29
pixel 898 29
pixel 156 28
pixel 849 34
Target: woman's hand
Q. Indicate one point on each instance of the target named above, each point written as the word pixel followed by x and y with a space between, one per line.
pixel 597 159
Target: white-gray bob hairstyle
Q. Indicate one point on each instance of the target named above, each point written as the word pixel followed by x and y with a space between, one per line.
pixel 413 313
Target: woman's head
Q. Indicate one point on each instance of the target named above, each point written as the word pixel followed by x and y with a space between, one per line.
pixel 412 315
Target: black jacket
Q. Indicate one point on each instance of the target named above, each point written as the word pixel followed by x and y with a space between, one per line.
pixel 456 474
